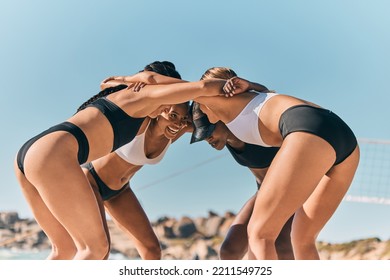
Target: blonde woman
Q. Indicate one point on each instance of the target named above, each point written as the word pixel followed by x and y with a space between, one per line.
pixel 309 175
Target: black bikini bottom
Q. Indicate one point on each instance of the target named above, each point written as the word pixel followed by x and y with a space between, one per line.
pixel 320 122
pixel 105 191
pixel 65 126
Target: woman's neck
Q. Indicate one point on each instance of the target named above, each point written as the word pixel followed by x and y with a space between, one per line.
pixel 234 142
pixel 154 131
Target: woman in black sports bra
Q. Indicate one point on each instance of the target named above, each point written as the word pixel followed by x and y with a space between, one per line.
pixel 110 176
pixel 309 175
pixel 48 166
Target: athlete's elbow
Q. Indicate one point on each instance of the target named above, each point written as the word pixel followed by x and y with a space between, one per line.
pixel 211 87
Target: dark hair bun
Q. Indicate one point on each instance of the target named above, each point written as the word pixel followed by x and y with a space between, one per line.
pixel 165 68
pixel 169 64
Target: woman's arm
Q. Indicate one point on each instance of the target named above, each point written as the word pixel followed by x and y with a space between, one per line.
pixel 156 95
pixel 239 85
pixel 145 77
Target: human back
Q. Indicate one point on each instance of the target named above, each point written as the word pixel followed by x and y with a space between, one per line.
pixel 272 107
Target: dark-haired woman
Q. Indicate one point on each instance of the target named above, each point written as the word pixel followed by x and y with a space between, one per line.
pixel 110 175
pixel 48 165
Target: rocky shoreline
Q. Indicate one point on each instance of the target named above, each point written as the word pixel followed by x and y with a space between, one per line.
pixel 184 239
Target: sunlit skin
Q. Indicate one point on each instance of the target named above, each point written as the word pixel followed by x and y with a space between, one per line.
pixel 235 244
pixel 56 188
pixel 169 125
pixel 312 187
pixel 125 209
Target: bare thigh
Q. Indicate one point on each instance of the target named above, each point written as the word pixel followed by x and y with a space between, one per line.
pixel 99 200
pixel 296 170
pixel 56 233
pixel 64 188
pixel 128 214
pixel 325 199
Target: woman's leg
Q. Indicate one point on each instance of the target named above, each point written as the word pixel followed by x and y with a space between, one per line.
pixel 319 208
pixel 63 247
pixel 298 167
pixel 128 214
pixel 57 176
pixel 283 245
pixel 235 244
pixel 101 208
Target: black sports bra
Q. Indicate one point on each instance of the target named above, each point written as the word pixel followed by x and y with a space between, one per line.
pixel 254 156
pixel 124 126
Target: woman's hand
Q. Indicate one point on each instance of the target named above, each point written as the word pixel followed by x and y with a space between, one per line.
pixel 135 82
pixel 137 86
pixel 236 85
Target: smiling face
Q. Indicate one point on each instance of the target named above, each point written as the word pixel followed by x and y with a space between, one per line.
pixel 173 119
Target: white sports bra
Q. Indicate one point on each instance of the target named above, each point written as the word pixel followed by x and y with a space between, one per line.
pixel 246 125
pixel 134 151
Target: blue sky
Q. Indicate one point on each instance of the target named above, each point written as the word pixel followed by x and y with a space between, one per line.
pixel 53 55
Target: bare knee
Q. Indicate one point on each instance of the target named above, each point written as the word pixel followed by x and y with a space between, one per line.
pixel 232 251
pixel 62 252
pixel 261 236
pixel 94 250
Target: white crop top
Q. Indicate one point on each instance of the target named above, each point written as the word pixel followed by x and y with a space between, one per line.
pixel 134 151
pixel 245 126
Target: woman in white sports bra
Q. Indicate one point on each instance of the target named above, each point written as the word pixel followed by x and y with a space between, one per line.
pixel 110 176
pixel 310 173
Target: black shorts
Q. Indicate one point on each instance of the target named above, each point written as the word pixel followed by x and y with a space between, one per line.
pixel 105 191
pixel 320 122
pixel 65 126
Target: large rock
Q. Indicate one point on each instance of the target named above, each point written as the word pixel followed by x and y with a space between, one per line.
pixel 164 228
pixel 202 249
pixel 179 240
pixel 184 228
pixel 212 225
pixel 8 218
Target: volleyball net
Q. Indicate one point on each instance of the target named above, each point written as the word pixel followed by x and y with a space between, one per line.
pixel 371 183
pixel 372 180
